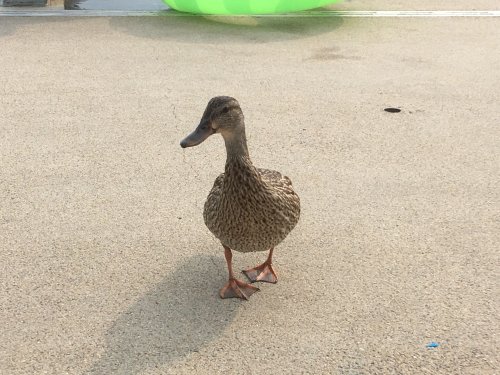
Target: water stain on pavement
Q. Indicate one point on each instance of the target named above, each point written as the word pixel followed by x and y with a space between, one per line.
pixel 330 54
pixel 226 30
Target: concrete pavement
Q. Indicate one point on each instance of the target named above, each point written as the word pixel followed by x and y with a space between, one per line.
pixel 106 266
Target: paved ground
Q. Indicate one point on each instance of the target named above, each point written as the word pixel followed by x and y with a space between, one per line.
pixel 106 266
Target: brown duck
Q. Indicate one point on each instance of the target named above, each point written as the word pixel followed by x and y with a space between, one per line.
pixel 248 209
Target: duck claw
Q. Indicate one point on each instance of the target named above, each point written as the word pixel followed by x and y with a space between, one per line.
pixel 264 273
pixel 237 289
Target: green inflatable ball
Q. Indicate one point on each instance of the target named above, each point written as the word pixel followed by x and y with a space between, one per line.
pixel 242 7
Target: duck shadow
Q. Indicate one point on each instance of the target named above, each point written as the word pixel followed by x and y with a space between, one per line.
pixel 226 29
pixel 179 316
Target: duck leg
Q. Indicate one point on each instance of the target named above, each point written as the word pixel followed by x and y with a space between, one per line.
pixel 235 288
pixel 264 272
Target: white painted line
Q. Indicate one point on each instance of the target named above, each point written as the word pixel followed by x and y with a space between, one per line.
pixel 417 13
pixel 316 13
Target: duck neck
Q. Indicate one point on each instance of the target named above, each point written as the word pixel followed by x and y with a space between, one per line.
pixel 238 159
pixel 236 144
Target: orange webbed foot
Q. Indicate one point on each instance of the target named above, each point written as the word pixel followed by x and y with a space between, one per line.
pixel 264 272
pixel 237 289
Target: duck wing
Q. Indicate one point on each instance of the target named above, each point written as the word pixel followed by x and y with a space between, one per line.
pixel 276 180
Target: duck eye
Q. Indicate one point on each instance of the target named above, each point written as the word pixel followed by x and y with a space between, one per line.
pixel 225 110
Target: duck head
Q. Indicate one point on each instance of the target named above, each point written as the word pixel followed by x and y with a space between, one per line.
pixel 223 115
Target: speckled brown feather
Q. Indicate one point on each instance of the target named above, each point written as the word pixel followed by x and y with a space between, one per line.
pixel 250 209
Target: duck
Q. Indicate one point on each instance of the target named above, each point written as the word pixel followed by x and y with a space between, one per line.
pixel 248 209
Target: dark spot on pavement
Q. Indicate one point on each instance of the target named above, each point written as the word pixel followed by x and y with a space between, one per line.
pixel 392 110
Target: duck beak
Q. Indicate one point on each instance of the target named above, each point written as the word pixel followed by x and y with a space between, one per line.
pixel 202 132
